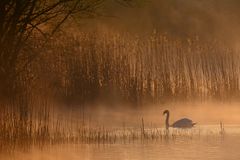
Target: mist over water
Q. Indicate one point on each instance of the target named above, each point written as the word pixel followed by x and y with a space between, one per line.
pixel 179 149
pixel 204 141
pixel 100 86
pixel 203 113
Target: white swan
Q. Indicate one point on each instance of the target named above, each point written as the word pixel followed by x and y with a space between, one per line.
pixel 181 123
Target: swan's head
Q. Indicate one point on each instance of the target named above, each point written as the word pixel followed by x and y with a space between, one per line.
pixel 166 112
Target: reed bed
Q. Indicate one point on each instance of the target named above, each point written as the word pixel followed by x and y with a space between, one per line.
pixel 41 128
pixel 122 67
pixel 111 67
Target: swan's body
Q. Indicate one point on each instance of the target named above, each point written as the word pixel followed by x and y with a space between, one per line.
pixel 182 123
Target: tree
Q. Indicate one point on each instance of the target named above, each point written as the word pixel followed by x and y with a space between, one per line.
pixel 19 19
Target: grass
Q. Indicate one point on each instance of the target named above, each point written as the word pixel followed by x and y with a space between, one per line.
pixel 111 67
pixel 115 67
pixel 40 129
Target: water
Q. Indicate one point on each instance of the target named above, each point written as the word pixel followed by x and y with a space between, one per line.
pixel 210 145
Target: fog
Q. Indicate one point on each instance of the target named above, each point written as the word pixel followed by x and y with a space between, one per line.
pixel 98 87
pixel 208 19
pixel 203 113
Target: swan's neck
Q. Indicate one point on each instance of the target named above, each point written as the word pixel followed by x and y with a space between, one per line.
pixel 167 121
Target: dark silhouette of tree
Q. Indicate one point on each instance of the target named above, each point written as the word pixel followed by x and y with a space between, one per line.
pixel 19 19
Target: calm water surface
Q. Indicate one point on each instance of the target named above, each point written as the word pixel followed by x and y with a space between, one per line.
pixel 208 146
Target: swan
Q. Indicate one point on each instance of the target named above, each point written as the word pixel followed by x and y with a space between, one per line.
pixel 181 123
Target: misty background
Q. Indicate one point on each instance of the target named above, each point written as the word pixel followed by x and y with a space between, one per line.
pixel 115 63
pixel 208 19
